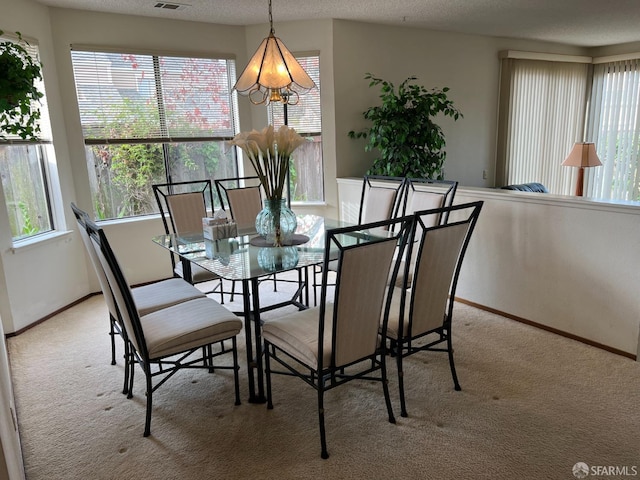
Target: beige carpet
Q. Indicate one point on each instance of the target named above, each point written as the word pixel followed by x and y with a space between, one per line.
pixel 533 404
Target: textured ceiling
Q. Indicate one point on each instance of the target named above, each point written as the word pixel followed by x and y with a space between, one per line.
pixel 585 23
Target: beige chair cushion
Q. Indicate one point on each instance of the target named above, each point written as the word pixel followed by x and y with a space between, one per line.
pixel 378 204
pixel 297 334
pixel 245 204
pixel 198 274
pixel 433 281
pixel 394 313
pixel 187 211
pixel 159 295
pixel 188 325
pixel 426 201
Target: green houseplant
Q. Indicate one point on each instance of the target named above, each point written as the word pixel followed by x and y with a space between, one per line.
pixel 403 131
pixel 19 94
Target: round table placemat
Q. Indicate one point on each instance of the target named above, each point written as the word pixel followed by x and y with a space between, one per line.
pixel 296 239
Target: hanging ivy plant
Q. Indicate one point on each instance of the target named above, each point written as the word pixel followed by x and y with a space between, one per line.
pixel 19 94
pixel 403 131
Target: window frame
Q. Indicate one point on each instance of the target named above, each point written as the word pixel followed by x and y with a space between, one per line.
pixel 278 114
pixel 45 157
pixel 583 127
pixel 163 138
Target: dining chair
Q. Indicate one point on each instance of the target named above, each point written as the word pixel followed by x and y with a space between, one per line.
pixel 241 197
pixel 421 315
pixel 170 339
pixel 148 298
pixel 182 207
pixel 425 194
pixel 381 198
pixel 338 340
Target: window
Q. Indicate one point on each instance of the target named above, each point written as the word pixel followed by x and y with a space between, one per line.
pixel 614 126
pixel 152 119
pixel 24 171
pixel 306 169
pixel 545 106
pixel 544 118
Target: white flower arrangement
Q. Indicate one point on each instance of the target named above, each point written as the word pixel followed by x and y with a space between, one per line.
pixel 269 153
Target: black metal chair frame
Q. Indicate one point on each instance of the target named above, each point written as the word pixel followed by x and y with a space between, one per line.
pixel 115 328
pixel 446 188
pixel 406 345
pixel 161 191
pixel 394 183
pixel 327 377
pixel 168 366
pixel 222 185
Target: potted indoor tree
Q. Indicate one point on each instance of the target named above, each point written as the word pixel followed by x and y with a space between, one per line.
pixel 403 131
pixel 19 94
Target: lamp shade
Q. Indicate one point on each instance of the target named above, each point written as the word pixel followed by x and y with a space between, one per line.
pixel 582 155
pixel 273 74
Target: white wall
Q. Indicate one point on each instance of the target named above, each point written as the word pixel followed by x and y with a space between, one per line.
pixel 562 262
pixel 467 64
pixel 36 277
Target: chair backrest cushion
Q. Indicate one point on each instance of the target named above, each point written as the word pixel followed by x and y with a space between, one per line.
pixel 186 211
pixel 362 280
pixel 378 204
pixel 120 288
pixel 439 251
pixel 81 217
pixel 245 203
pixel 426 201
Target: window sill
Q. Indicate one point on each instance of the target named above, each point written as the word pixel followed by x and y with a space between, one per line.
pixel 38 240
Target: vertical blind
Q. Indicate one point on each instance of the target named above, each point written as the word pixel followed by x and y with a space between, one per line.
pixel 127 97
pixel 614 126
pixel 545 119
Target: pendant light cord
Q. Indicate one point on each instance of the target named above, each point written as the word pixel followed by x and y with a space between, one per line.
pixel 271 19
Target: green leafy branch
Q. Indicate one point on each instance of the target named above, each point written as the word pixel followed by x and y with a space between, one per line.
pixel 403 130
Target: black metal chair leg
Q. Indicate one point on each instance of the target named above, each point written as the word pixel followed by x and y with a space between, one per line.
pixel 323 437
pixel 403 405
pixel 233 290
pixel 125 388
pixel 385 388
pixel 267 370
pixel 112 334
pixel 147 424
pixel 236 370
pixel 456 384
pixel 132 369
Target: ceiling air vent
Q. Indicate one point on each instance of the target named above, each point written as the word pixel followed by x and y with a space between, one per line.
pixel 171 6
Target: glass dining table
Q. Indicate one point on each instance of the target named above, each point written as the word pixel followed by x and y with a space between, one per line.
pixel 244 258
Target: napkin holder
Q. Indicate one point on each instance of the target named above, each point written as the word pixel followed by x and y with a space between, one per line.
pixel 217 229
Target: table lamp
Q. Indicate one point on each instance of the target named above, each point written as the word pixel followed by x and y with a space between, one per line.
pixel 582 155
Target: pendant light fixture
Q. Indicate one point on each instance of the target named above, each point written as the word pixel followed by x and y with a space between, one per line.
pixel 273 74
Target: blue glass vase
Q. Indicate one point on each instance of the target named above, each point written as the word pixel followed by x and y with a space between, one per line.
pixel 276 259
pixel 276 222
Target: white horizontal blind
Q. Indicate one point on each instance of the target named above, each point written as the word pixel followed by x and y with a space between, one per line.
pixel 545 119
pixel 305 116
pixel 127 97
pixel 614 126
